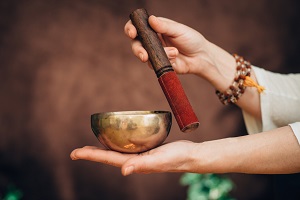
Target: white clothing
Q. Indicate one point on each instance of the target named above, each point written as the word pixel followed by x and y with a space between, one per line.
pixel 280 102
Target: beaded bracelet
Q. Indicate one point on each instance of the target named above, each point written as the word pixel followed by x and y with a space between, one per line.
pixel 241 81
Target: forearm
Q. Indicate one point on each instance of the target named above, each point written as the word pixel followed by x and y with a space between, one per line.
pixel 271 152
pixel 226 65
pixel 250 100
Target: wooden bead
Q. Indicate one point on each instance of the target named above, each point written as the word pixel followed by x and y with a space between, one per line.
pixel 242 77
pixel 235 91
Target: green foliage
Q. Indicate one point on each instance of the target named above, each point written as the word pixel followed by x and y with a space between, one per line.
pixel 12 194
pixel 207 186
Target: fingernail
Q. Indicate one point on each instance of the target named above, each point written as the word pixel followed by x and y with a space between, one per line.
pixel 73 157
pixel 155 18
pixel 129 33
pixel 141 56
pixel 128 170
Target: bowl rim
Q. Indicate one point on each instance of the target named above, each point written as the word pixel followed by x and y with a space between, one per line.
pixel 133 113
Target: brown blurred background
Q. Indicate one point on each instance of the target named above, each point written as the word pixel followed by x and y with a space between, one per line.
pixel 61 61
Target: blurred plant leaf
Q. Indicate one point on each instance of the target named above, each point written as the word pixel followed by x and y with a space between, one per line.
pixel 207 186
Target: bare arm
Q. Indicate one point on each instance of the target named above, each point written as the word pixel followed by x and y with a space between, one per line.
pixel 190 53
pixel 250 100
pixel 272 152
pixel 275 151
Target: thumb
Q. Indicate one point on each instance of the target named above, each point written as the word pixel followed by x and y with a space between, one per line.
pixel 166 26
pixel 137 164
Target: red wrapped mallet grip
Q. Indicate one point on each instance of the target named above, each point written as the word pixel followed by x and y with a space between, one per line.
pixel 169 82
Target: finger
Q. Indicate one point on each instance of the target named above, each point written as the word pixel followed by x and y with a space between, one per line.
pixel 143 163
pixel 100 155
pixel 139 51
pixel 165 26
pixel 171 52
pixel 138 165
pixel 130 30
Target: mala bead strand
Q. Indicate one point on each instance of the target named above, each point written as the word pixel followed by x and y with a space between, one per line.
pixel 241 81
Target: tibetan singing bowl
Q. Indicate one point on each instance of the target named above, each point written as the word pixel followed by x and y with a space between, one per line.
pixel 131 131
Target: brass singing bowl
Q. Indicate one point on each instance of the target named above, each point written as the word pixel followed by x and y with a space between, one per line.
pixel 131 131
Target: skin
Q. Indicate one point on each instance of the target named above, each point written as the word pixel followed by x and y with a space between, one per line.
pixel 273 152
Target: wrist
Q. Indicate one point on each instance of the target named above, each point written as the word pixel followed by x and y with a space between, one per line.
pixel 214 156
pixel 239 92
pixel 225 66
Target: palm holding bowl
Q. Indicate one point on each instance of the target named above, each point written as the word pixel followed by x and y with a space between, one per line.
pixel 131 131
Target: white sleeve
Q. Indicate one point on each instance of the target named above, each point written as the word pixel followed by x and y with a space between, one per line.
pixel 280 102
pixel 296 129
